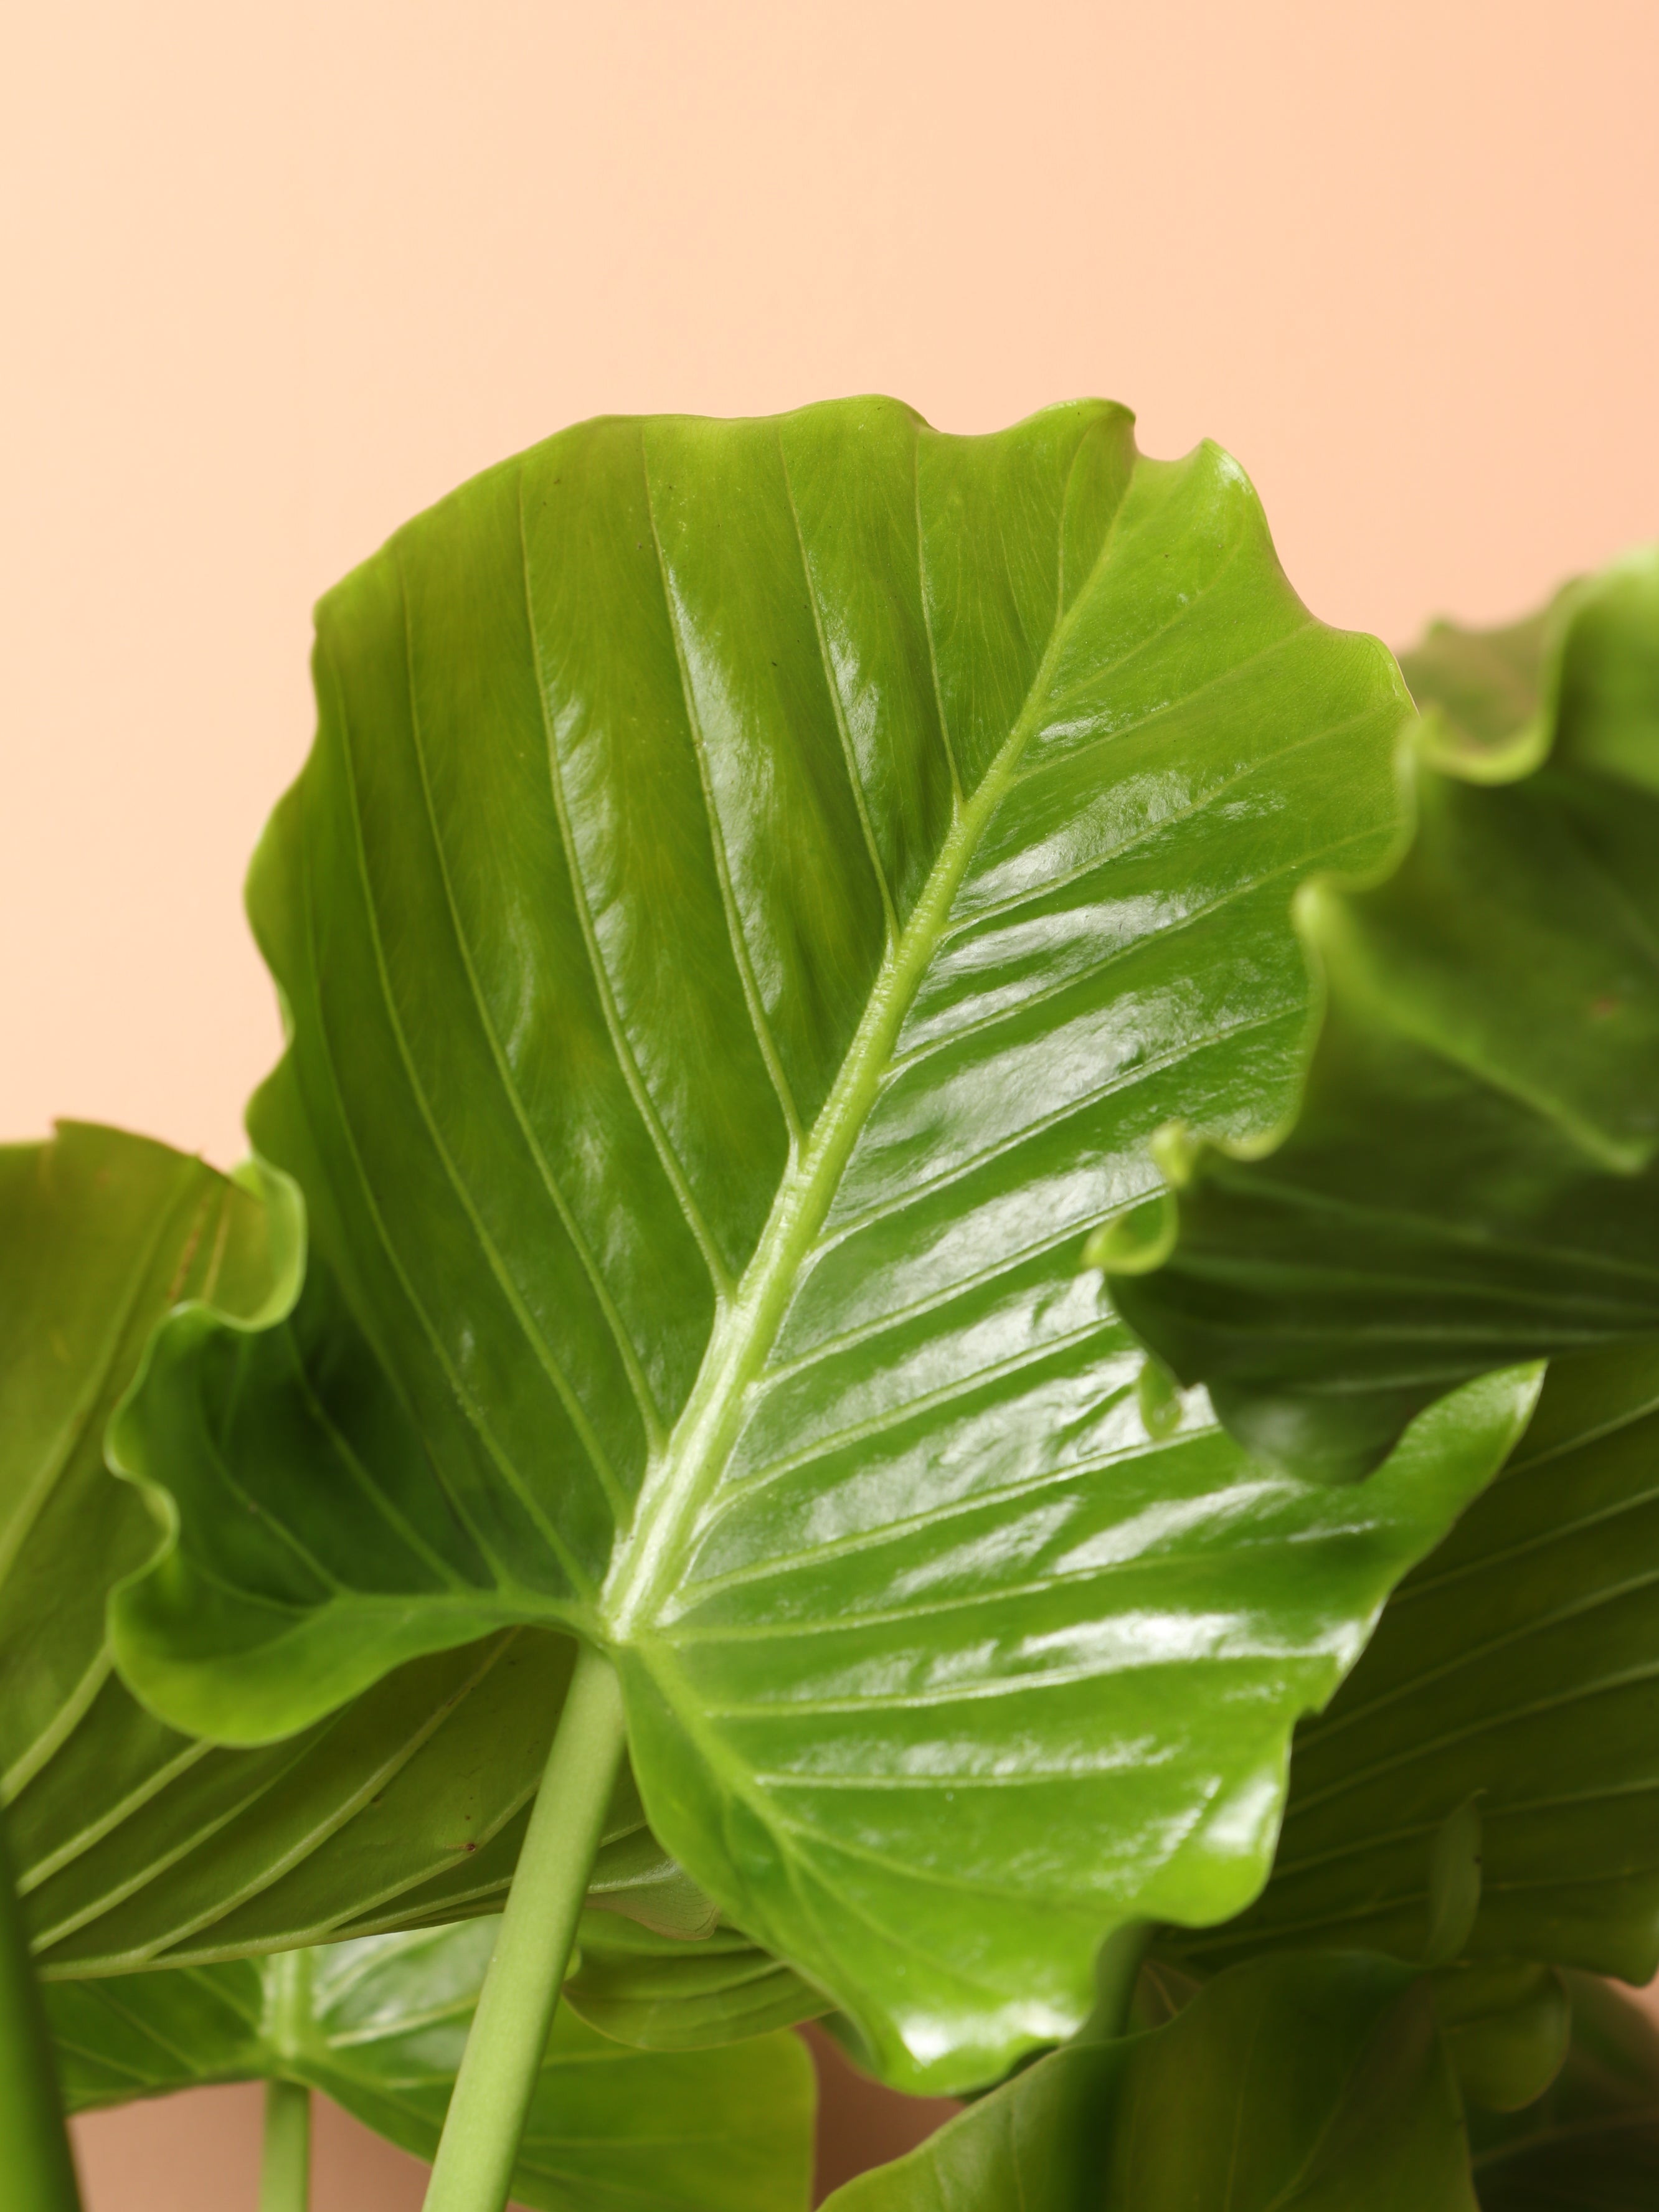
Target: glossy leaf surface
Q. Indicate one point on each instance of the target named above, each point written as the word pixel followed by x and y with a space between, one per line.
pixel 1517 1665
pixel 757 888
pixel 1473 1175
pixel 1592 2144
pixel 134 1842
pixel 661 1994
pixel 1291 2085
pixel 380 2025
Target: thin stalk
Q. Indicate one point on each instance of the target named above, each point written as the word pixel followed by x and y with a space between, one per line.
pixel 473 2171
pixel 285 2165
pixel 37 2170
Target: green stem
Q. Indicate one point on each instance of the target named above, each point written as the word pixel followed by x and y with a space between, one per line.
pixel 473 2171
pixel 37 2171
pixel 285 2167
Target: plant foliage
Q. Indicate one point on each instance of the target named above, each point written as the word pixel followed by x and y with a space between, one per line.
pixel 380 2024
pixel 901 1261
pixel 757 888
pixel 134 1843
pixel 1471 1175
pixel 1311 2083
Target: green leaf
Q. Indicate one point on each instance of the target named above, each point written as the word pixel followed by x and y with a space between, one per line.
pixel 1487 682
pixel 1290 2085
pixel 132 1841
pixel 1455 1876
pixel 757 888
pixel 1473 1175
pixel 1516 1666
pixel 664 1994
pixel 380 2025
pixel 1592 2145
pixel 1506 2024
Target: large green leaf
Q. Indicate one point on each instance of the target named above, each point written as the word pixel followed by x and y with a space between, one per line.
pixel 1291 2085
pixel 1516 1666
pixel 380 2025
pixel 757 888
pixel 134 1842
pixel 1592 2144
pixel 1473 1175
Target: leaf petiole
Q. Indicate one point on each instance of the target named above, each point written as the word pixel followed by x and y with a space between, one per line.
pixel 285 2163
pixel 39 2173
pixel 473 2170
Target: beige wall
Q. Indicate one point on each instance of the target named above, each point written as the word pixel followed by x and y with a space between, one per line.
pixel 200 2153
pixel 275 277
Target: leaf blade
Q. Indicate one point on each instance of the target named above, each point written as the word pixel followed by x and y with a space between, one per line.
pixel 832 849
pixel 1320 2084
pixel 1511 1668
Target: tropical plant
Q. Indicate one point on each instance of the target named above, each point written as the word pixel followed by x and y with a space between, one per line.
pixel 884 1359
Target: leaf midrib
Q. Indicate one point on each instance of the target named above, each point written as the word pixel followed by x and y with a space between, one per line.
pixel 650 1555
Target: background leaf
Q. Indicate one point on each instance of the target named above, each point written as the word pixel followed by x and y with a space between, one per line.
pixel 757 888
pixel 1592 2145
pixel 1487 682
pixel 1290 2085
pixel 1505 2024
pixel 1472 1178
pixel 380 2025
pixel 643 1988
pixel 1515 1665
pixel 132 1841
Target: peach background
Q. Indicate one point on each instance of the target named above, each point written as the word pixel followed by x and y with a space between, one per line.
pixel 200 2152
pixel 276 277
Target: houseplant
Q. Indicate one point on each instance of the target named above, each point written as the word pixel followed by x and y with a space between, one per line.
pixel 655 1442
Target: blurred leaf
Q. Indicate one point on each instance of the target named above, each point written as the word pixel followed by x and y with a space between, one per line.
pixel 1592 2144
pixel 1485 681
pixel 1288 2085
pixel 1454 1875
pixel 380 2025
pixel 1473 1175
pixel 1506 2024
pixel 667 1994
pixel 756 887
pixel 132 1840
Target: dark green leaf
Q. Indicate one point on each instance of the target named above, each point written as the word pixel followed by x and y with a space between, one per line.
pixel 1505 2023
pixel 667 1994
pixel 757 888
pixel 1290 2085
pixel 132 1841
pixel 1592 2145
pixel 1517 1665
pixel 380 2025
pixel 1473 1175
pixel 1454 1883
